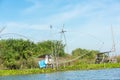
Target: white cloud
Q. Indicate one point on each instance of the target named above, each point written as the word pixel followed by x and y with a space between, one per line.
pixel 15 25
pixel 35 6
pixel 63 16
pixel 34 32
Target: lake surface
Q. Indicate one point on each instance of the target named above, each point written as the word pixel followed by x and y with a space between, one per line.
pixel 105 74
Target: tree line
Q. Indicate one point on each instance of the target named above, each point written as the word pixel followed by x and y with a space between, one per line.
pixel 87 56
pixel 21 54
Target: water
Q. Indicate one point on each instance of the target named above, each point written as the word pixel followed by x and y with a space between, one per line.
pixel 106 74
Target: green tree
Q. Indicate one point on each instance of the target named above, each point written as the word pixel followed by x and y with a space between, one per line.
pixel 87 56
pixel 19 53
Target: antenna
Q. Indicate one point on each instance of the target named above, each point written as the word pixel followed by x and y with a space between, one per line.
pixel 63 37
pixel 114 59
pixel 113 45
pixel 53 48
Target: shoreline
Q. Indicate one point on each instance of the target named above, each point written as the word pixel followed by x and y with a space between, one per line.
pixel 67 68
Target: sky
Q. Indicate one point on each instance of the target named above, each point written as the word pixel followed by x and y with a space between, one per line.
pixel 87 22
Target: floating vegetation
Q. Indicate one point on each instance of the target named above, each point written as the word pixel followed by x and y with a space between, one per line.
pixel 25 71
pixel 49 70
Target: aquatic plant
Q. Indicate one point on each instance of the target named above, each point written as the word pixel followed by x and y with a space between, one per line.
pixel 62 68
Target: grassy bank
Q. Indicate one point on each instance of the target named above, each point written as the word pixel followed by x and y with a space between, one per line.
pixel 91 66
pixel 66 68
pixel 25 71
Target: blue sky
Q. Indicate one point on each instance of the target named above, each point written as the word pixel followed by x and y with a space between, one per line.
pixel 87 22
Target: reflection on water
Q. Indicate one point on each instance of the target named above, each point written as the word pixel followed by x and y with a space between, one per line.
pixel 107 74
